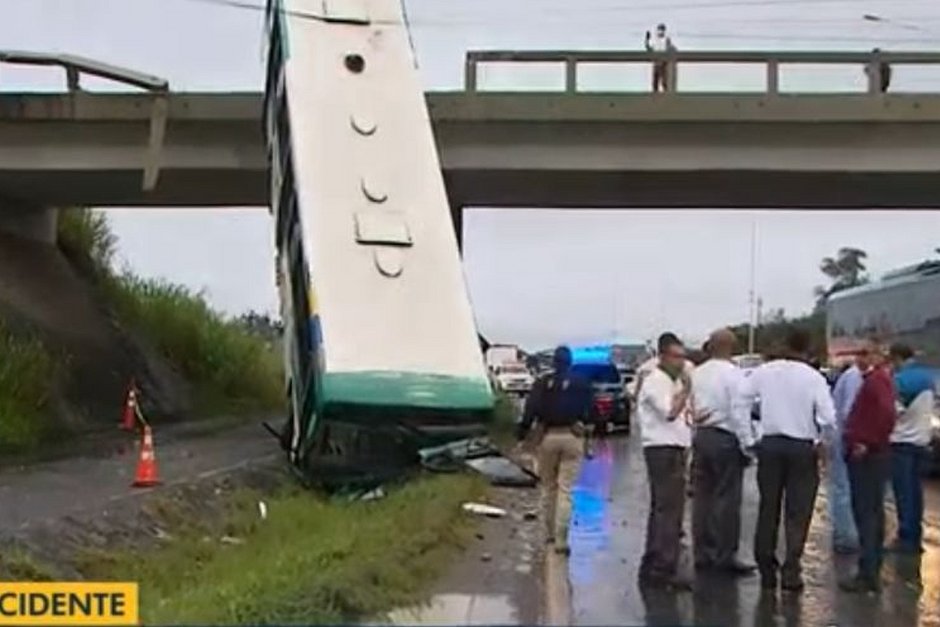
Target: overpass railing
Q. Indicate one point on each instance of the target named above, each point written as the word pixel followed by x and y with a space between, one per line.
pixel 75 66
pixel 772 62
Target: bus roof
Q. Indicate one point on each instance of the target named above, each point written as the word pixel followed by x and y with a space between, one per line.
pixel 902 276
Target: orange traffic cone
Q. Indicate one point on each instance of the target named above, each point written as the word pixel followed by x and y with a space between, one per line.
pixel 146 475
pixel 129 416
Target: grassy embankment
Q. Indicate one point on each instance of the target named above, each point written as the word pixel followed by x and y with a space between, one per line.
pixel 230 369
pixel 312 560
pixel 27 371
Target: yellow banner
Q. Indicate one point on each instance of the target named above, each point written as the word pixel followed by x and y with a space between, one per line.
pixel 68 603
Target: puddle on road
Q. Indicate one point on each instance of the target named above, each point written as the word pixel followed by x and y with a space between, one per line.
pixel 458 609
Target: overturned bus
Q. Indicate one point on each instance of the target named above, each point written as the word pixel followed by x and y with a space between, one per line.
pixel 381 350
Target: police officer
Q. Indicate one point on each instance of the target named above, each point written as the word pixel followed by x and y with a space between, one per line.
pixel 558 407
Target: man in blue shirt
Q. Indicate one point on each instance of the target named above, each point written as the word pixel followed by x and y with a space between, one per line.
pixel 844 532
pixel 558 407
pixel 909 445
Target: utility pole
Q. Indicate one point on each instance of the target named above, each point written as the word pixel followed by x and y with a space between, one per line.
pixel 752 293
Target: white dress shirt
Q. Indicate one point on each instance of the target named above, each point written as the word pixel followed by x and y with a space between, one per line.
pixel 715 387
pixel 914 422
pixel 794 400
pixel 654 408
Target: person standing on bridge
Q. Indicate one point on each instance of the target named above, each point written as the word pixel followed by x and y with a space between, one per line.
pixel 868 449
pixel 659 42
pixel 558 406
pixel 666 436
pixel 721 446
pixel 797 418
pixel 882 72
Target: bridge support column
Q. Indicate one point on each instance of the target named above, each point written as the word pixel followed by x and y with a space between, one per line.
pixel 38 224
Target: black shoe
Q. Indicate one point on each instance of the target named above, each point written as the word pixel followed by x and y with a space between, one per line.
pixel 768 584
pixel 562 549
pixel 704 566
pixel 736 569
pixel 859 585
pixel 794 585
pixel 903 548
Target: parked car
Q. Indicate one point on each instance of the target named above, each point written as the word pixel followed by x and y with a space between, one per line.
pixel 610 407
pixel 513 378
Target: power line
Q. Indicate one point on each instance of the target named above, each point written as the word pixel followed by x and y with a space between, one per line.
pixel 869 39
pixel 247 5
pixel 724 4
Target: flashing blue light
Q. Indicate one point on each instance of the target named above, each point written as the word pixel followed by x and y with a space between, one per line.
pixel 590 354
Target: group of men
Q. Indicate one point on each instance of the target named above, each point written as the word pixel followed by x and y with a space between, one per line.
pixel 781 415
pixel 883 405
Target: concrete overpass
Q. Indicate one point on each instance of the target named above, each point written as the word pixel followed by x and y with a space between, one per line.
pixel 558 149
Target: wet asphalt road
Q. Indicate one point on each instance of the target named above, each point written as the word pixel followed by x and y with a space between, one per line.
pixel 607 536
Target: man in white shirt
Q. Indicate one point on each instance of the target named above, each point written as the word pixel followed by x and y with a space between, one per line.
pixel 663 399
pixel 721 445
pixel 659 42
pixel 796 413
pixel 652 363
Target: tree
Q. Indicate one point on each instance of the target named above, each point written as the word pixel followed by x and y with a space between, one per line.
pixel 771 335
pixel 261 324
pixel 845 270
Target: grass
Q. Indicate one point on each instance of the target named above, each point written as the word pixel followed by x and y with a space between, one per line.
pixel 86 238
pixel 312 561
pixel 27 374
pixel 18 565
pixel 231 368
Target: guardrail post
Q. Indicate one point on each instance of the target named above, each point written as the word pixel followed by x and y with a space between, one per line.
pixel 873 71
pixel 470 74
pixel 672 73
pixel 72 78
pixel 571 75
pixel 773 76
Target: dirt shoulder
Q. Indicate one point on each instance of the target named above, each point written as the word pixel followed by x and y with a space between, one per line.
pixel 498 576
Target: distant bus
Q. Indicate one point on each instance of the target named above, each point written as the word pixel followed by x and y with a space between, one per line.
pixel 903 306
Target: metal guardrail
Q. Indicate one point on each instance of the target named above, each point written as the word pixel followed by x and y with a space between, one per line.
pixel 771 60
pixel 76 66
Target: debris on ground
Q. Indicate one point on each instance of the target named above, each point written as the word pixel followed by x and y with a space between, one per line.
pixel 373 495
pixel 484 510
pixel 231 540
pixel 263 510
pixel 482 457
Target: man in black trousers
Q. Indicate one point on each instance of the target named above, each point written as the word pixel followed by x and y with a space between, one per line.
pixel 797 419
pixel 720 445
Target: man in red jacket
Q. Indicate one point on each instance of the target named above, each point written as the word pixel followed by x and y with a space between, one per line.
pixel 868 448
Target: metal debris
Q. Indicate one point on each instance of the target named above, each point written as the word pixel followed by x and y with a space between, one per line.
pixel 481 456
pixel 484 510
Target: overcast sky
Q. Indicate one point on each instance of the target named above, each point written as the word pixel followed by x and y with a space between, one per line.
pixel 617 276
